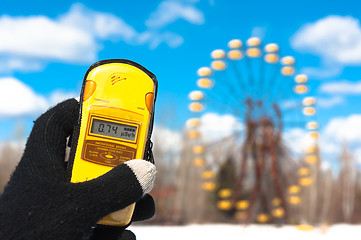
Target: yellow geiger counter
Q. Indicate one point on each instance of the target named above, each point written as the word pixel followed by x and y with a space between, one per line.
pixel 115 123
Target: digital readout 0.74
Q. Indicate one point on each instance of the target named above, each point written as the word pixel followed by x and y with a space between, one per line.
pixel 114 130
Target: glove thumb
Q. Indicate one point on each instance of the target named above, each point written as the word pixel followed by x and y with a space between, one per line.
pixel 145 173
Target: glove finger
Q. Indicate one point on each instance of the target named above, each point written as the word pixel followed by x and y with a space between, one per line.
pixel 127 235
pixel 45 148
pixel 118 188
pixel 105 232
pixel 144 208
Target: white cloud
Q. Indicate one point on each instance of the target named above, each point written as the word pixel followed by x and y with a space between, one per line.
pixel 322 73
pixel 341 87
pixel 58 96
pixel 259 32
pixel 330 102
pixel 98 24
pixel 340 132
pixel 172 39
pixel 325 166
pixel 329 147
pixel 334 38
pixel 357 154
pixel 28 42
pixel 331 139
pixel 297 140
pixel 290 104
pixel 40 37
pixel 11 64
pixel 215 127
pixel 167 140
pixel 19 99
pixel 154 39
pixel 72 37
pixel 344 129
pixel 170 11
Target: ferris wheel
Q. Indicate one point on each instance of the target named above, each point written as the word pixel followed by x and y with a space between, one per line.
pixel 248 165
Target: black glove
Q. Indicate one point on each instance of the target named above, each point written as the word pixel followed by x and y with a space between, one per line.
pixel 39 202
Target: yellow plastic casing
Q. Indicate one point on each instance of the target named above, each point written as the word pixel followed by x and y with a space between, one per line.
pixel 117 93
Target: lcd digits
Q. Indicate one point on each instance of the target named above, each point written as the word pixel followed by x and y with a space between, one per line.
pixel 114 130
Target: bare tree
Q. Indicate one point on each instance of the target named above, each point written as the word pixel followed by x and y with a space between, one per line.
pixel 347 181
pixel 9 158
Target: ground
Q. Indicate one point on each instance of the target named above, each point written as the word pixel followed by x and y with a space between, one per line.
pixel 254 232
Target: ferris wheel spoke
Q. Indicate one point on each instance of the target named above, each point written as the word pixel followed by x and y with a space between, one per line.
pixel 262 76
pixel 271 85
pixel 239 79
pixel 230 137
pixel 251 78
pixel 219 103
pixel 234 85
pixel 228 91
pixel 221 152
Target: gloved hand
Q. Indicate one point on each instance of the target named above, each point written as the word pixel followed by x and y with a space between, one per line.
pixel 39 202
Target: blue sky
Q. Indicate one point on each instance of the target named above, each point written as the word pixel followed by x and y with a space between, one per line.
pixel 45 50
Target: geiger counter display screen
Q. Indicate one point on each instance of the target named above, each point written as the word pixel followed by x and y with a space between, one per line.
pixel 115 130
